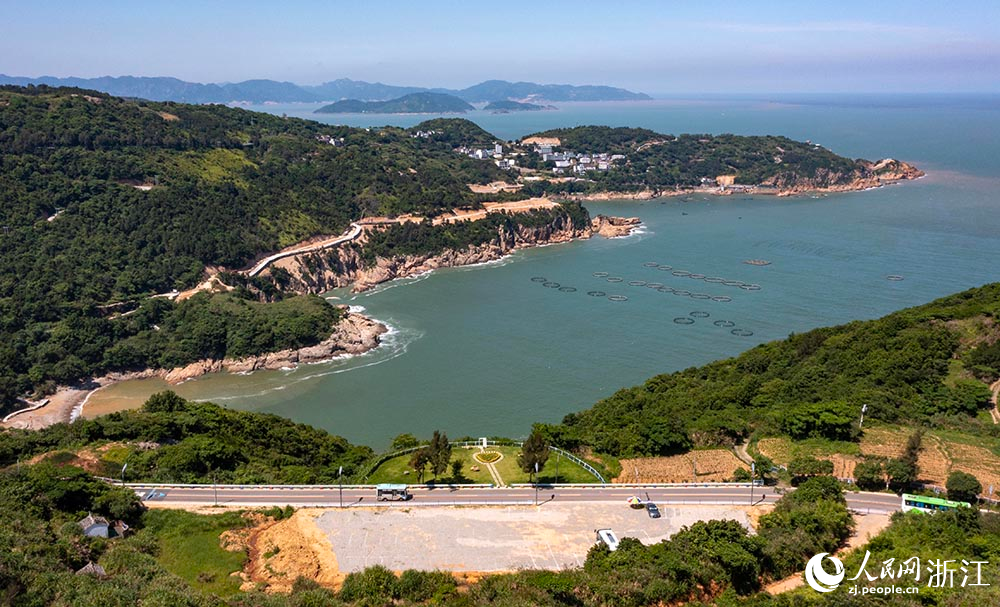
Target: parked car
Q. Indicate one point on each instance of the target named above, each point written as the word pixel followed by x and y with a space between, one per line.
pixel 652 510
pixel 608 538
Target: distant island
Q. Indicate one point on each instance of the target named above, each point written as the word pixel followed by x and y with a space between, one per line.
pixel 414 103
pixel 265 91
pixel 508 105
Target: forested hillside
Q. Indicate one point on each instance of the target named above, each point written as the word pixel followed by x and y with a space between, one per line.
pixel 655 161
pixel 104 201
pixel 923 365
pixel 173 440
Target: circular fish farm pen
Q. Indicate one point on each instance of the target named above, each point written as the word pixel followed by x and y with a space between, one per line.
pixel 539 279
pixel 714 279
pixel 600 274
pixel 750 287
pixel 697 276
pixel 666 289
pixel 568 289
pixel 637 283
pixel 596 293
pixel 733 283
pixel 650 264
pixel 681 273
pixel 551 285
pixel 722 298
pixel 614 279
pixel 682 292
pixel 684 320
pixel 664 267
pixel 742 332
pixel 894 277
pixel 617 298
pixel 700 296
pixel 699 314
pixel 724 323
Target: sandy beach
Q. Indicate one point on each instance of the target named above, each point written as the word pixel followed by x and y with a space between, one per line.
pixel 355 334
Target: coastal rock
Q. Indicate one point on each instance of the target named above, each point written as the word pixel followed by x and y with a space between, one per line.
pixel 354 334
pixel 344 266
pixel 614 227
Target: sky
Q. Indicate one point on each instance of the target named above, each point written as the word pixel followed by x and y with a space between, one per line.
pixel 660 48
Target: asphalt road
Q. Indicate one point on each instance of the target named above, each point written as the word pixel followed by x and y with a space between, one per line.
pixel 275 495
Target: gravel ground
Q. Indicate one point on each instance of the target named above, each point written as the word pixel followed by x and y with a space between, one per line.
pixel 488 539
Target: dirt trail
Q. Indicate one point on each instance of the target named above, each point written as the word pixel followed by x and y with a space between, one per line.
pixel 868 526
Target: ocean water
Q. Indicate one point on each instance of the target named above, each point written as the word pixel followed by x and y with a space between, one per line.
pixel 486 350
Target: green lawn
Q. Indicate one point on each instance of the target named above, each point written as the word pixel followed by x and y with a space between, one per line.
pixel 189 548
pixel 397 469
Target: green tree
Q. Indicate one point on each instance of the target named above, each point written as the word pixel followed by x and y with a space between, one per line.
pixel 901 474
pixel 419 461
pixel 404 441
pixel 869 475
pixel 963 487
pixel 439 453
pixel 802 467
pixel 534 452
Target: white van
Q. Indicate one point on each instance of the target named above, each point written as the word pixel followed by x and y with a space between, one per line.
pixel 608 538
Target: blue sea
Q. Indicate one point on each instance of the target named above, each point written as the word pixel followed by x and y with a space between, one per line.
pixel 485 350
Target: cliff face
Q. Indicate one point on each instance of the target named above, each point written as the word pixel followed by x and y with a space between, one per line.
pixel 344 266
pixel 354 334
pixel 866 175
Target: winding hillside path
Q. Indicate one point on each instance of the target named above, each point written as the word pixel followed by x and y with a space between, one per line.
pixel 347 236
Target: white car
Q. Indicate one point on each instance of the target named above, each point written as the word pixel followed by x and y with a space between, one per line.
pixel 608 538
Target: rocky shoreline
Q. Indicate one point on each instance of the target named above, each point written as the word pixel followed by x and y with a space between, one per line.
pixel 344 266
pixel 319 272
pixel 877 174
pixel 354 334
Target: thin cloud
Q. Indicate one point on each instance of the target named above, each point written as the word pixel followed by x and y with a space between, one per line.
pixel 819 27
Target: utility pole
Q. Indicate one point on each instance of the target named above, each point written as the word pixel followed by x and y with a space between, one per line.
pixel 340 481
pixel 557 466
pixel 215 486
pixel 536 483
pixel 753 473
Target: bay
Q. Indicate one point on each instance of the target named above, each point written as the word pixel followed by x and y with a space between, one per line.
pixel 486 351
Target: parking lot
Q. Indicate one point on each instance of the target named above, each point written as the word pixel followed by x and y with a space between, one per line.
pixel 492 539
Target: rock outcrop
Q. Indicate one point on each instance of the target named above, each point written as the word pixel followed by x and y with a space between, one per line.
pixel 354 334
pixel 614 227
pixel 345 266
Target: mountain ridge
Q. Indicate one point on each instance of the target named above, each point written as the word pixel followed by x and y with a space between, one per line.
pixel 166 88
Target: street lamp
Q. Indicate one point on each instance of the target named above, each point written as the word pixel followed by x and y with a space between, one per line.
pixel 124 466
pixel 340 481
pixel 536 483
pixel 864 409
pixel 753 473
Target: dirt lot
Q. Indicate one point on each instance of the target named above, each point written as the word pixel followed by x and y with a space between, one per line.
pixel 326 544
pixel 709 465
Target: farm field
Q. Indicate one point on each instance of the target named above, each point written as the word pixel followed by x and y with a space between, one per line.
pixel 941 453
pixel 708 465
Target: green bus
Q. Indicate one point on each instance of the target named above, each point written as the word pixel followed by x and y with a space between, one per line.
pixel 930 504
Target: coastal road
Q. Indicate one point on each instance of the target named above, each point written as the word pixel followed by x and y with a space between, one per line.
pixel 329 497
pixel 349 235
